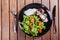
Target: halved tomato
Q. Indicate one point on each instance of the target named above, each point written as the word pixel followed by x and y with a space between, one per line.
pixel 32 20
pixel 30 26
pixel 40 31
pixel 39 22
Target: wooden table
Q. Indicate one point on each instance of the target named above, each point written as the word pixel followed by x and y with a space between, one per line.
pixel 7 20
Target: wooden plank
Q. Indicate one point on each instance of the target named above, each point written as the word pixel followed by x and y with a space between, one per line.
pixel 52 3
pixel 20 5
pixel 59 19
pixel 37 38
pixel 5 19
pixel 47 35
pixel 28 1
pixel 46 3
pixel 13 35
pixel 28 37
pixel 21 35
pixel 0 19
pixel 37 1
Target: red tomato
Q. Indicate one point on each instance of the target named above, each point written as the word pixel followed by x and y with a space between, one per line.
pixel 30 26
pixel 40 31
pixel 39 22
pixel 32 20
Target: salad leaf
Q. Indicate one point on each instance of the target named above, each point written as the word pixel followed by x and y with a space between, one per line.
pixel 35 27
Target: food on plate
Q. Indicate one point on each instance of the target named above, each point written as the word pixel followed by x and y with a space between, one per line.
pixel 41 10
pixel 45 15
pixel 40 31
pixel 32 20
pixel 42 15
pixel 32 23
pixel 39 23
pixel 30 11
pixel 30 26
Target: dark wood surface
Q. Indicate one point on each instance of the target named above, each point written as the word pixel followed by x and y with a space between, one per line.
pixel 7 20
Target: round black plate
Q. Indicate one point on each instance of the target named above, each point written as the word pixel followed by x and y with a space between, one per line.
pixel 36 5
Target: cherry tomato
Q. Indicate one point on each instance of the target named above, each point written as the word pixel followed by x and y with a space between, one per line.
pixel 39 22
pixel 40 31
pixel 30 26
pixel 32 20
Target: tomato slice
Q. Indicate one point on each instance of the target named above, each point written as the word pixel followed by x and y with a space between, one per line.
pixel 32 20
pixel 30 26
pixel 39 22
pixel 40 31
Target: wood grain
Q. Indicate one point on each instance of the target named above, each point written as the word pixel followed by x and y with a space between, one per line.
pixel 5 19
pixel 37 1
pixel 13 35
pixel 52 3
pixel 29 1
pixel 46 3
pixel 20 5
pixel 47 35
pixel 59 20
pixel 37 38
pixel 0 19
pixel 28 37
pixel 21 35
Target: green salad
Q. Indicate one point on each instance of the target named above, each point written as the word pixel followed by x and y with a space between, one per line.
pixel 32 25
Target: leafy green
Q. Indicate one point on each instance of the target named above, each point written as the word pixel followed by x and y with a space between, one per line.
pixel 26 23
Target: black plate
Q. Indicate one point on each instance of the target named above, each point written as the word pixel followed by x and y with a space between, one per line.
pixel 36 5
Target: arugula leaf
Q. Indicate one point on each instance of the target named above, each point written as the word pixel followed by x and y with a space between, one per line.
pixel 26 23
